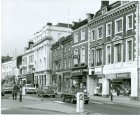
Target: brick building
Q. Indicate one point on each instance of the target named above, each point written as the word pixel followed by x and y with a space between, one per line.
pixel 114 57
pixel 61 63
pixel 80 53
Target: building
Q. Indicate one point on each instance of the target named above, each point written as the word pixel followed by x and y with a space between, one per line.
pixel 27 66
pixel 79 49
pixel 61 63
pixel 42 50
pixel 114 49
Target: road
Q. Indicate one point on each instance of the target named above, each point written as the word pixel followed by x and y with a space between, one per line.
pixel 94 107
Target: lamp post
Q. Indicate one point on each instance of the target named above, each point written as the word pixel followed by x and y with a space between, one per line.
pixel 111 96
pixel 20 91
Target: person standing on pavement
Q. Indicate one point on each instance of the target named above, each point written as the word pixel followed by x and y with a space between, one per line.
pixel 15 91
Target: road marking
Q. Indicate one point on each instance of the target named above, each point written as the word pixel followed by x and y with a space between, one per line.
pixel 97 114
pixel 59 102
pixel 4 109
pixel 97 102
pixel 109 103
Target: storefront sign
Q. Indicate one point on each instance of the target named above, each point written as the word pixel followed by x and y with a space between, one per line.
pixel 110 76
pixel 98 70
pixel 123 75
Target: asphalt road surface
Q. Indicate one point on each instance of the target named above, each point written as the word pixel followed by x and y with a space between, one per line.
pixel 94 107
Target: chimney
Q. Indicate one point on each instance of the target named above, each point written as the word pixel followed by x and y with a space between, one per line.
pixel 89 16
pixel 104 3
pixel 49 24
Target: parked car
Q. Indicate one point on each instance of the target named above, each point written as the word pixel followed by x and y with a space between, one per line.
pixel 2 91
pixel 7 88
pixel 71 94
pixel 97 91
pixel 46 91
pixel 29 88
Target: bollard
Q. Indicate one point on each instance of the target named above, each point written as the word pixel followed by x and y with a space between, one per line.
pixel 111 97
pixel 20 97
pixel 80 102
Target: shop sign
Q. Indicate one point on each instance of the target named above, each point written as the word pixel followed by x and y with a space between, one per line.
pixel 110 76
pixel 123 75
pixel 98 70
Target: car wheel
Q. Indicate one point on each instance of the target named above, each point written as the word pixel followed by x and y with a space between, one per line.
pixel 86 102
pixel 72 101
pixel 63 98
pixel 53 96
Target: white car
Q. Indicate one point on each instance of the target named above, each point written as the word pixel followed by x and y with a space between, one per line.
pixel 29 88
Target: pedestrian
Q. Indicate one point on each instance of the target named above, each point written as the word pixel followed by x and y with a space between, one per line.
pixel 15 91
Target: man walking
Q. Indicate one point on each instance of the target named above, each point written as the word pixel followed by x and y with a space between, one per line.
pixel 15 91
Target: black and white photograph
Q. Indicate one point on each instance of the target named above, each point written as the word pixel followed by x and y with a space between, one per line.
pixel 70 57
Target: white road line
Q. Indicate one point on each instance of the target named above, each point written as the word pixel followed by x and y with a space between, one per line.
pixel 4 109
pixel 97 114
pixel 97 102
pixel 59 102
pixel 109 103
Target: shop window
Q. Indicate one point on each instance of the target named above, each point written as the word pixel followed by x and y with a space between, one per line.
pixel 69 61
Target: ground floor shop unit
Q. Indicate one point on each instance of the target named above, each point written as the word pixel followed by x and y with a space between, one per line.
pixel 42 78
pixel 119 79
pixel 62 80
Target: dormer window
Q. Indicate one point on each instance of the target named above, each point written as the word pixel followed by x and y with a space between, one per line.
pixel 124 2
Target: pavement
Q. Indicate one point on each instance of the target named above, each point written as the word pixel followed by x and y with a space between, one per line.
pixel 36 103
pixel 123 100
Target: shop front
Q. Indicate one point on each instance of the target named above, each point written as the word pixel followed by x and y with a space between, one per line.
pixel 119 84
pixel 79 78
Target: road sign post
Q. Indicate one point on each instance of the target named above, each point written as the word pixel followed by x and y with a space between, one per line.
pixel 80 102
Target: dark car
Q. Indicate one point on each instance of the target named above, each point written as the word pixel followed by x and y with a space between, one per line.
pixel 46 91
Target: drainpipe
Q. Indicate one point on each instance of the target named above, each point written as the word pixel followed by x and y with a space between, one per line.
pixel 138 51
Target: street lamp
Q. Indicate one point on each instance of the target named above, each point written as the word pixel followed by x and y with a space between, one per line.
pixel 111 96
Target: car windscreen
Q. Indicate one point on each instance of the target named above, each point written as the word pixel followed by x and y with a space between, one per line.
pixel 30 85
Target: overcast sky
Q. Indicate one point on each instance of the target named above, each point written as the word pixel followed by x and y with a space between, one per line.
pixel 22 18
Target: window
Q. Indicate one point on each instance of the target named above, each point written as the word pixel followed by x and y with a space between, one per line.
pixel 99 57
pixel 69 62
pixel 69 47
pixel 117 53
pixel 75 37
pixel 83 35
pixel 93 56
pixel 100 32
pixel 108 56
pixel 129 50
pixel 65 63
pixel 76 56
pixel 65 49
pixel 93 34
pixel 119 25
pixel 108 29
pixel 129 21
pixel 83 55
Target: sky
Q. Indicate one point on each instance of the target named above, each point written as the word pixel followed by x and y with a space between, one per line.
pixel 20 19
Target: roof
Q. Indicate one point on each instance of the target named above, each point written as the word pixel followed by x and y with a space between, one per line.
pixel 79 24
